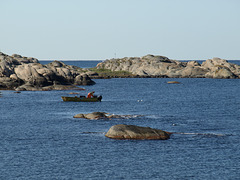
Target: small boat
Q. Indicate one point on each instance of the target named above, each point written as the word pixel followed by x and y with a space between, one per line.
pixel 82 99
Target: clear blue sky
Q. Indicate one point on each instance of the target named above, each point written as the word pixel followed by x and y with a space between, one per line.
pixel 103 29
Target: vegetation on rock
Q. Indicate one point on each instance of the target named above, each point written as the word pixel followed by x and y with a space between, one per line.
pixel 161 66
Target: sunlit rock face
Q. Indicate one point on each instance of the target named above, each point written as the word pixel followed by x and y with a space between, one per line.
pixel 151 65
pixel 122 131
pixel 26 73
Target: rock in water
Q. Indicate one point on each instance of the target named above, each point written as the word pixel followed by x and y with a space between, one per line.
pixel 122 131
pixel 103 115
pixel 92 116
pixel 173 82
pixel 161 66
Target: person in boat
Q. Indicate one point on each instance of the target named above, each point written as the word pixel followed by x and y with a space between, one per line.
pixel 90 95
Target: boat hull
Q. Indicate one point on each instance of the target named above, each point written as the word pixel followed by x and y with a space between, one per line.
pixel 82 99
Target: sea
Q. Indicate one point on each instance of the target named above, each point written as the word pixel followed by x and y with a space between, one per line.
pixel 40 139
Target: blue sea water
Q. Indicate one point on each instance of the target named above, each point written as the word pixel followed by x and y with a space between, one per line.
pixel 40 139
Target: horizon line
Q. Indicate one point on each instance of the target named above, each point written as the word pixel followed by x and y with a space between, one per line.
pixel 121 58
pixel 69 60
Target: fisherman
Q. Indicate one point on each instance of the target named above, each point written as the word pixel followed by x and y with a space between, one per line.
pixel 90 95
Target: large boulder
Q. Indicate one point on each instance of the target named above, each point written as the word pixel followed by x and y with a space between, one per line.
pixel 84 80
pixel 221 72
pixel 122 131
pixel 221 69
pixel 28 73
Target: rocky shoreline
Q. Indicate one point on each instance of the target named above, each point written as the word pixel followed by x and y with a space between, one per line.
pixel 26 73
pixel 162 67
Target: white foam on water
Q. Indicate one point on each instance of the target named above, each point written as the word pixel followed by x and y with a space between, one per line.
pixel 204 134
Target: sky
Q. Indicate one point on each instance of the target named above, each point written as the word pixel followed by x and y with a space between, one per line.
pixel 105 29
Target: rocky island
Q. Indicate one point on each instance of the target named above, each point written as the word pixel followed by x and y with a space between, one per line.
pixel 161 66
pixel 25 73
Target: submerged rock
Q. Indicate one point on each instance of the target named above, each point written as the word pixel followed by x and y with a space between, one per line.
pixel 173 82
pixel 92 116
pixel 104 115
pixel 122 131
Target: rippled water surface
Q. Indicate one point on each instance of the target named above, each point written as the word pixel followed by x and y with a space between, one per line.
pixel 40 139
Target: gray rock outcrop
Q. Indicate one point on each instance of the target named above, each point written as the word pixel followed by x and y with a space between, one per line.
pixel 25 73
pixel 161 66
pixel 122 131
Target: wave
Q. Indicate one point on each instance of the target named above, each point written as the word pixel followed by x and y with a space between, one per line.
pixel 124 116
pixel 203 134
pixel 93 133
